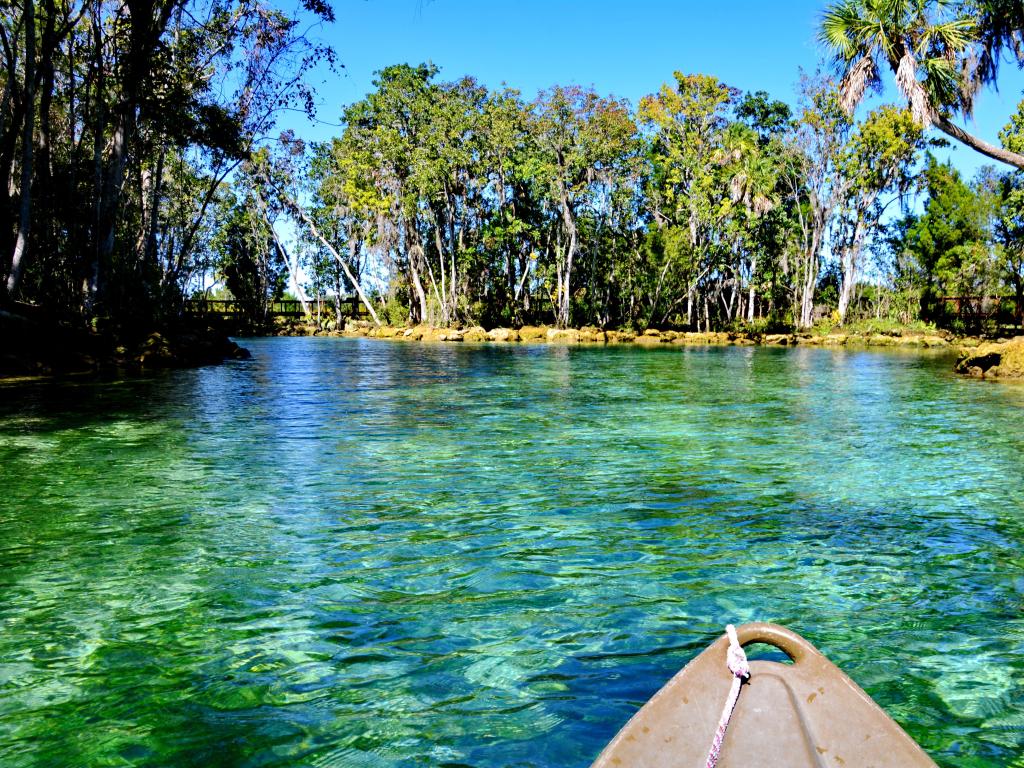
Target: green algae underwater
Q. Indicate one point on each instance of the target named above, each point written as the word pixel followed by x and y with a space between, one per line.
pixel 356 553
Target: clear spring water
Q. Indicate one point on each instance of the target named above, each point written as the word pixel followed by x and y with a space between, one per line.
pixel 358 553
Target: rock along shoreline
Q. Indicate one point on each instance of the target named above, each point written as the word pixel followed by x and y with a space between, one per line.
pixel 1001 360
pixel 650 338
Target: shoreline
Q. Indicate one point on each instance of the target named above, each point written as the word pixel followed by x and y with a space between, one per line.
pixel 48 351
pixel 649 338
pixel 46 348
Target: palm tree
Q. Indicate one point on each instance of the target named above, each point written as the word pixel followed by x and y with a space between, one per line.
pixel 942 52
pixel 753 177
pixel 751 172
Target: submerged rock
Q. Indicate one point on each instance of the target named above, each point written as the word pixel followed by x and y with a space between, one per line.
pixel 994 360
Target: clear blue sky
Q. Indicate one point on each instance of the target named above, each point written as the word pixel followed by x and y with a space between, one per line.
pixel 626 49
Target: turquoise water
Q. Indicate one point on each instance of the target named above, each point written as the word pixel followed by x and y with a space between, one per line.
pixel 356 553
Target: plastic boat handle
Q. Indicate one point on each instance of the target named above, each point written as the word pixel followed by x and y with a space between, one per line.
pixel 789 642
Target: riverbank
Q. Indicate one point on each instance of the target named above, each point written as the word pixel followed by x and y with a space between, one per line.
pixel 649 338
pixel 994 360
pixel 35 345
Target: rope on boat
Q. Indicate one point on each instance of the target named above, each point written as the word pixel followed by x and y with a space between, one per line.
pixel 736 660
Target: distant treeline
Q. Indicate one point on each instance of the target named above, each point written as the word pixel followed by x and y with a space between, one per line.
pixel 702 208
pixel 133 140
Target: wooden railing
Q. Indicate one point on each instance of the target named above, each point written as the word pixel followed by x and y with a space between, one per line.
pixel 1002 311
pixel 292 308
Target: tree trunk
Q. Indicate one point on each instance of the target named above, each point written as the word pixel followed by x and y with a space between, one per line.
pixel 849 280
pixel 110 199
pixel 978 145
pixel 337 257
pixel 807 294
pixel 293 269
pixel 415 257
pixel 152 188
pixel 90 270
pixel 442 294
pixel 810 282
pixel 570 229
pixel 28 144
pixel 43 187
pixel 750 300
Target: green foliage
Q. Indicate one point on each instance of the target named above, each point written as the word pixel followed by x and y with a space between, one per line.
pixel 875 326
pixel 1012 135
pixel 940 54
pixel 1009 233
pixel 763 114
pixel 250 264
pixel 138 115
pixel 704 208
pixel 395 312
pixel 950 252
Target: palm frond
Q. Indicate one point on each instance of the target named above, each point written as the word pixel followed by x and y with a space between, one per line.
pixel 911 88
pixel 949 37
pixel 944 83
pixel 855 83
pixel 843 29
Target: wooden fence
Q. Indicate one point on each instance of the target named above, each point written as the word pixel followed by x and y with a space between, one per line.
pixel 289 308
pixel 1001 311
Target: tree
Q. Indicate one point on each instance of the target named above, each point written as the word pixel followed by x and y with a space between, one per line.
pixel 941 54
pixel 122 122
pixel 251 264
pixel 283 175
pixel 952 244
pixel 513 228
pixel 1010 235
pixel 880 158
pixel 752 171
pixel 584 140
pixel 687 122
pixel 814 185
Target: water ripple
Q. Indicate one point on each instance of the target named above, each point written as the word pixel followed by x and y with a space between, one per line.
pixel 353 553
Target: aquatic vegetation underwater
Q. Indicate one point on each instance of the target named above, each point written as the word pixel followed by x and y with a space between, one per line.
pixel 355 553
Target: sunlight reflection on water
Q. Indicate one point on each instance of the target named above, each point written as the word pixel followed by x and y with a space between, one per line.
pixel 355 553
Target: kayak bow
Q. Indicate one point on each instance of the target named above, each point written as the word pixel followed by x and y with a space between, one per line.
pixel 805 714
